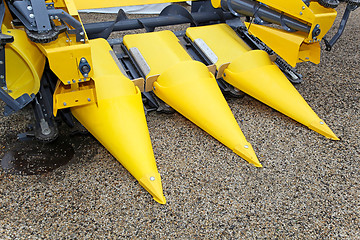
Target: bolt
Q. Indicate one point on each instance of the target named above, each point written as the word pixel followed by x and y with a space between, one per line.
pixel 29 8
pixel 80 80
pixel 69 82
pixel 64 103
pixel 152 178
pixel 31 15
pixel 74 81
pixel 301 13
pixel 82 40
pixel 322 123
pixel 246 146
pixel 82 33
pixel 303 8
pixel 2 76
pixel 85 68
pixel 56 17
pixel 52 17
pixel 1 62
pixel 86 75
pixel 67 40
pixel 89 100
pixel 83 60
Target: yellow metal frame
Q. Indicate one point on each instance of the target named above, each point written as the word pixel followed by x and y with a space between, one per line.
pixel 66 96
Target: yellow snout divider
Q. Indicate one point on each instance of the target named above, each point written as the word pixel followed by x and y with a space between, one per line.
pixel 253 72
pixel 188 87
pixel 117 120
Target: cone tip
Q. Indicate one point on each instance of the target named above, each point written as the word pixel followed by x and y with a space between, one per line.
pixel 152 184
pixel 161 200
pixel 323 129
pixel 247 152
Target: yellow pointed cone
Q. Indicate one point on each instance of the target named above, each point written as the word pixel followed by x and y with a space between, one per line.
pixel 255 74
pixel 192 90
pixel 118 121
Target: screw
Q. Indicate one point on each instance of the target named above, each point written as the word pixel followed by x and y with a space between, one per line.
pixel 64 103
pixel 89 100
pixel 82 40
pixel 80 80
pixel 69 82
pixel 301 13
pixel 303 8
pixel 56 17
pixel 74 81
pixel 86 75
pixel 29 8
pixel 246 146
pixel 83 60
pixel 322 123
pixel 82 33
pixel 31 15
pixel 152 178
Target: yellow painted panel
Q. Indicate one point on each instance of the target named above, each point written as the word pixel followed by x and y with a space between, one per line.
pixel 285 44
pixel 64 58
pixel 91 4
pixel 160 50
pixel 295 8
pixel 215 36
pixel 24 64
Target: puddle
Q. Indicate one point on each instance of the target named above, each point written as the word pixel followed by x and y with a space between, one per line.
pixel 34 158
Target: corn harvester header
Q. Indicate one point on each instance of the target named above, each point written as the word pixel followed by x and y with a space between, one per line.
pixel 72 71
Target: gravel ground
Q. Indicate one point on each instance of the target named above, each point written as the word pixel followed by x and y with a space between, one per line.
pixel 308 188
